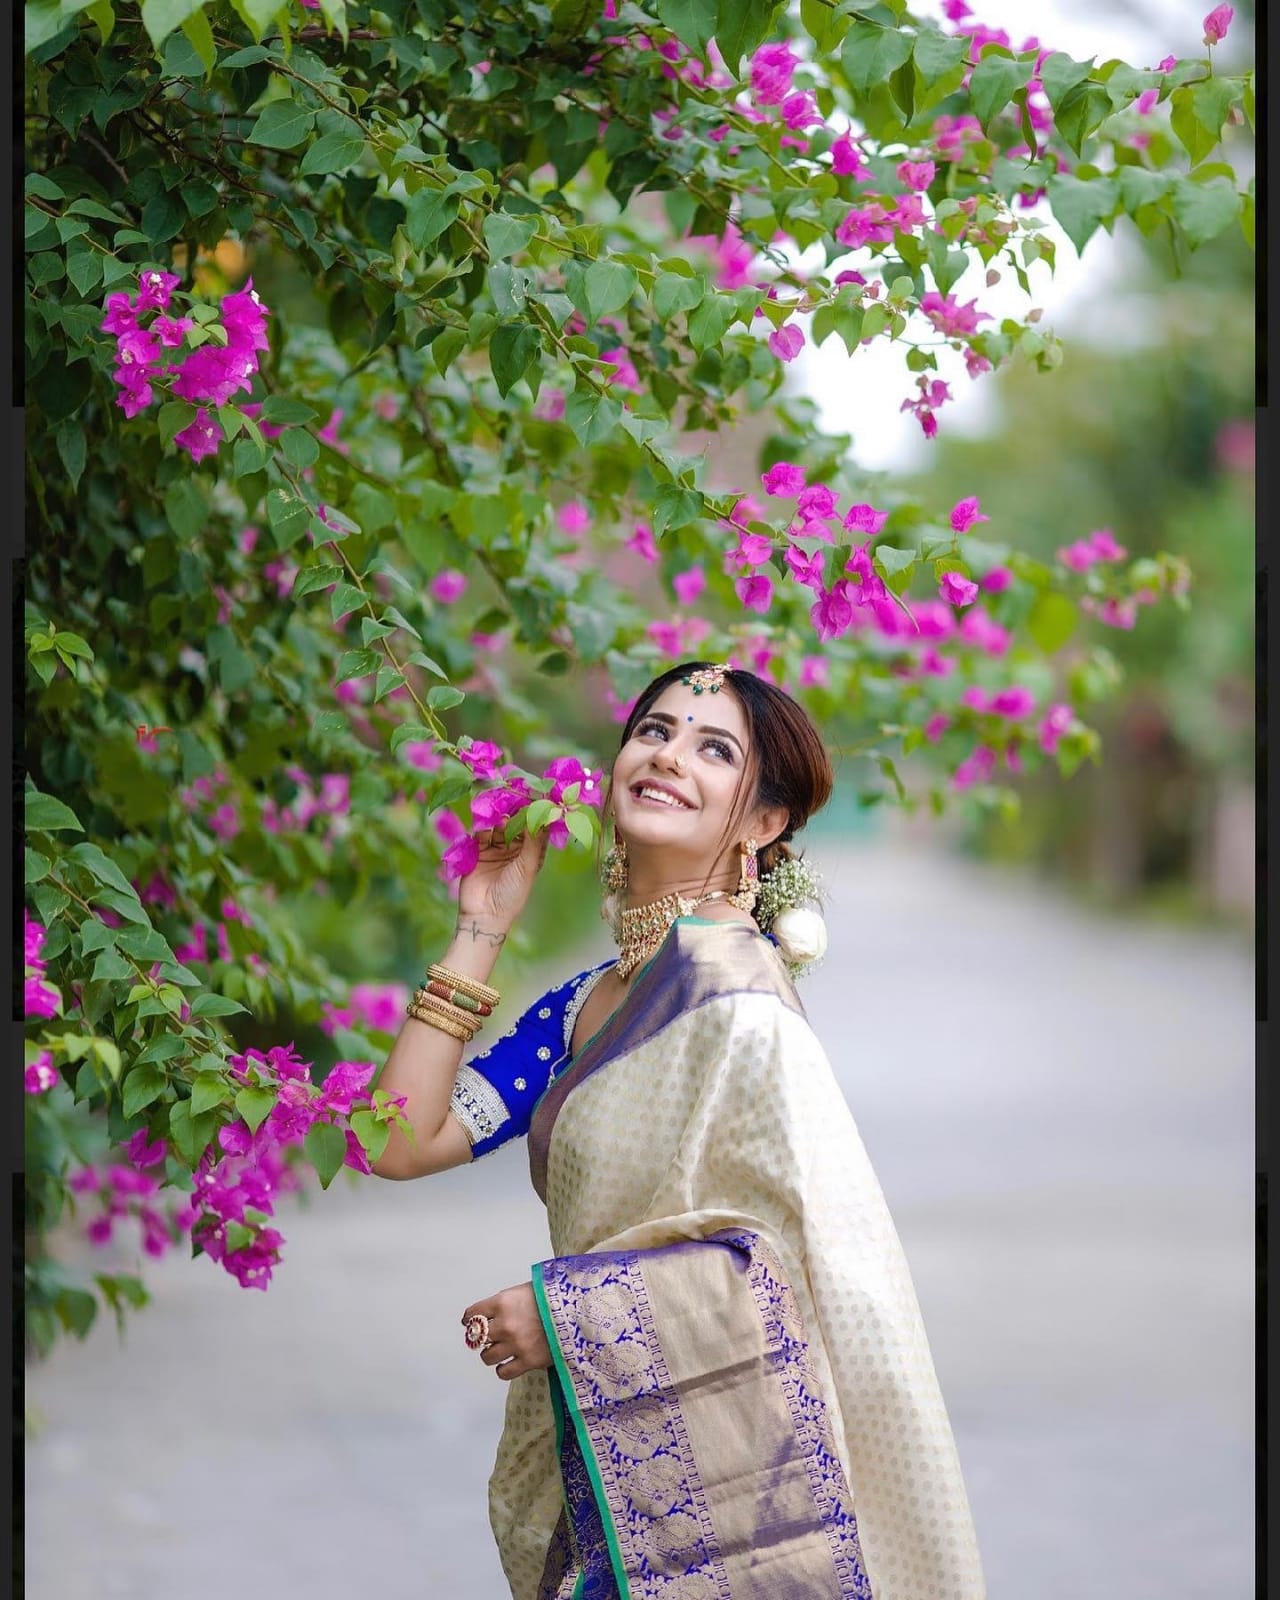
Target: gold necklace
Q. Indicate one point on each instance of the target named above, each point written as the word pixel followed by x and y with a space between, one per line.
pixel 643 928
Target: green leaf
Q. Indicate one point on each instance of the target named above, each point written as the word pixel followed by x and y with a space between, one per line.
pixel 427 215
pixel 72 448
pixel 199 36
pixel 288 518
pixel 513 348
pixel 692 21
pixel 871 53
pixel 283 125
pixel 1081 111
pixel 709 323
pixel 1198 113
pixel 143 1084
pixel 994 80
pixel 1204 210
pixel 332 152
pixel 45 19
pixel 672 294
pixel 936 54
pixel 606 286
pixel 255 1105
pixel 209 1004
pixel 505 235
pixel 741 25
pixel 1081 205
pixel 325 1147
pixel 592 416
pixel 675 508
pixel 43 814
pixel 286 412
pixel 372 1134
pixel 210 1089
pixel 1051 621
pixel 1059 74
pixel 579 825
pixel 443 697
pixel 1138 186
pixel 101 867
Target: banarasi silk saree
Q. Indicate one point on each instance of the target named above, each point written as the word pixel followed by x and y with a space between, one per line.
pixel 743 1404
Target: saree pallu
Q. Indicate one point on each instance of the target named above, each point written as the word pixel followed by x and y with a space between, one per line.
pixel 743 1405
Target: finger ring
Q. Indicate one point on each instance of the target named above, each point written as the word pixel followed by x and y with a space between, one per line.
pixel 477 1334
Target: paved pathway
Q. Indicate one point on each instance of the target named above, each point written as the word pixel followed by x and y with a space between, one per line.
pixel 1060 1109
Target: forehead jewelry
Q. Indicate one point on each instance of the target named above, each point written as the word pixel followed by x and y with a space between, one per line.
pixel 706 678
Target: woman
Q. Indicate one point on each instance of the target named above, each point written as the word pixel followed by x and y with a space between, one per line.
pixel 720 1385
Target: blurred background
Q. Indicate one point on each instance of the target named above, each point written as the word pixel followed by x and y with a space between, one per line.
pixel 1042 1022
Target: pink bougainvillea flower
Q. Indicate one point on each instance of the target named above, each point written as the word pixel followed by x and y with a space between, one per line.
pixel 966 513
pixel 482 756
pixel 957 591
pixel 1054 724
pixel 997 580
pixel 448 586
pixel 171 331
pixel 814 672
pixel 949 316
pixel 916 174
pixel 386 406
pixel 832 612
pixel 933 393
pixel 975 364
pixel 863 518
pixel 623 374
pixel 936 726
pixel 155 290
pixel 1217 23
pixel 935 665
pixel 787 341
pixel 460 858
pixel 746 509
pixel 641 541
pixel 1103 544
pixel 668 636
pixel 689 585
pixel 975 768
pixel 574 517
pixel 245 318
pixel 346 1081
pixel 122 316
pixel 816 501
pixel 975 697
pixel 380 1005
pixel 40 1077
pixel 800 110
pixel 805 569
pixel 1146 102
pixel 1115 613
pixel 1167 64
pixel 565 770
pixel 1015 701
pixel 755 592
pixel 201 437
pixel 906 213
pixel 846 158
pixel 1078 557
pixel 864 225
pixel 145 1152
pixel 39 998
pixel 772 69
pixel 751 550
pixel 783 480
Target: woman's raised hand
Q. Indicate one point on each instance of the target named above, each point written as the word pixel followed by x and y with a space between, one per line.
pixel 499 884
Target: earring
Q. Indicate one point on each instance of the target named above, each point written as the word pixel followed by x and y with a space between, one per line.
pixel 615 866
pixel 748 878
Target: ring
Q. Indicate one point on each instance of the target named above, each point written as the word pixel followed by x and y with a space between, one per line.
pixel 477 1334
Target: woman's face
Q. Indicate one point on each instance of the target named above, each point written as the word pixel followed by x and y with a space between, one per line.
pixel 693 748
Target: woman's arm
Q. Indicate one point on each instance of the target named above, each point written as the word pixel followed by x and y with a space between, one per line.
pixel 424 1063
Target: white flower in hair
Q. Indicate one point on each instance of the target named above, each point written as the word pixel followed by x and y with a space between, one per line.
pixel 801 934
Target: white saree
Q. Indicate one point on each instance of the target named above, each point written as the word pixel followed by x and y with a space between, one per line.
pixel 707 1103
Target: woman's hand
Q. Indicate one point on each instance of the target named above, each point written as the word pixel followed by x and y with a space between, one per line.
pixel 519 1344
pixel 497 887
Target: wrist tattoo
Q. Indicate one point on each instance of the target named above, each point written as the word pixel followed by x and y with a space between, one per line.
pixel 477 932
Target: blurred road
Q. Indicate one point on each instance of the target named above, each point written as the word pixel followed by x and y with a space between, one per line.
pixel 1060 1109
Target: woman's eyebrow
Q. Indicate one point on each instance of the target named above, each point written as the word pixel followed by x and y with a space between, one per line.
pixel 665 716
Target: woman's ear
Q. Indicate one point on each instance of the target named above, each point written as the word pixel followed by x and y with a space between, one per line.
pixel 767 823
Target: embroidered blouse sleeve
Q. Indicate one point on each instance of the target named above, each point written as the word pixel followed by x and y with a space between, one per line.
pixel 495 1091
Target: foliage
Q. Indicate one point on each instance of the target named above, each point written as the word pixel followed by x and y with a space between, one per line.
pixel 408 311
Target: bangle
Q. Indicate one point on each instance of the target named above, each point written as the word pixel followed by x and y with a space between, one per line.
pixel 428 1002
pixel 471 986
pixel 445 1024
pixel 457 997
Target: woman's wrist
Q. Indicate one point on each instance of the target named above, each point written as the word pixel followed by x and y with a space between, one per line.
pixel 477 941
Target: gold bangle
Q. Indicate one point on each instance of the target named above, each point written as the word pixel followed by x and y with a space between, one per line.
pixel 460 1002
pixel 435 1020
pixel 464 1019
pixel 459 980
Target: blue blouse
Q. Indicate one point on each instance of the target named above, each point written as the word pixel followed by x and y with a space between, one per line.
pixel 496 1091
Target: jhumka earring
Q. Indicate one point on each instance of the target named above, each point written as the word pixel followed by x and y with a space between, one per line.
pixel 615 866
pixel 748 878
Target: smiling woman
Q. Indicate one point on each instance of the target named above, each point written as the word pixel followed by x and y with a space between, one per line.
pixel 721 1387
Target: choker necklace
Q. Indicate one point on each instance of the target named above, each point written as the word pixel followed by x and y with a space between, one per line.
pixel 643 928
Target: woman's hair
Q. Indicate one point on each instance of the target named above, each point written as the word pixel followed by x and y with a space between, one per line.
pixel 787 763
